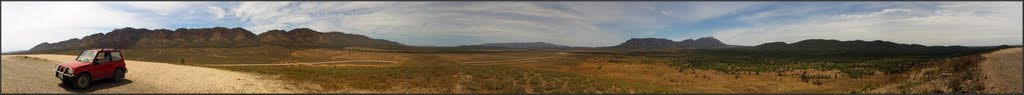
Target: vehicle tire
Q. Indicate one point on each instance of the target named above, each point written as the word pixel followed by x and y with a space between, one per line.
pixel 81 81
pixel 118 75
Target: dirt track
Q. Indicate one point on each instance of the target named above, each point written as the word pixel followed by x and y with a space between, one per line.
pixel 1003 71
pixel 33 74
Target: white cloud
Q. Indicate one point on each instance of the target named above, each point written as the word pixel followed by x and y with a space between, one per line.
pixel 484 22
pixel 952 24
pixel 161 8
pixel 424 23
pixel 26 24
pixel 261 16
pixel 419 23
pixel 694 12
pixel 217 12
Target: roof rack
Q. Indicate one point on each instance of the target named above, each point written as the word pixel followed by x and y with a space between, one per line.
pixel 101 49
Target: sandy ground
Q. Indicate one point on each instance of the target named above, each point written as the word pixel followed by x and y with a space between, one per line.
pixel 506 61
pixel 33 74
pixel 514 61
pixel 1003 71
pixel 316 63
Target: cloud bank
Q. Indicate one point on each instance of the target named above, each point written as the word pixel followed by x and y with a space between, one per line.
pixel 461 23
pixel 26 24
pixel 969 24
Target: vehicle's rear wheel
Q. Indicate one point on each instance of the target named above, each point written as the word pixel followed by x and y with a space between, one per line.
pixel 81 81
pixel 118 75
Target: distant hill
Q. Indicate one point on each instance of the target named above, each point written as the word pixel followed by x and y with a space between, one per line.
pixel 836 44
pixel 304 37
pixel 519 45
pixel 218 37
pixel 658 43
pixel 874 48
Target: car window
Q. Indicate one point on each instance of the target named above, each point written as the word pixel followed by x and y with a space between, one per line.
pixel 86 56
pixel 103 57
pixel 115 56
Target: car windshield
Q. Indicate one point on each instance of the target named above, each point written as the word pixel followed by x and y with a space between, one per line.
pixel 86 56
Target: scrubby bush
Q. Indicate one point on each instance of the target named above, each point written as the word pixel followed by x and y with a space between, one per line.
pixel 853 62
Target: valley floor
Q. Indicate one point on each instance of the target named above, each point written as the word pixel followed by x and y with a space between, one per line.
pixel 533 71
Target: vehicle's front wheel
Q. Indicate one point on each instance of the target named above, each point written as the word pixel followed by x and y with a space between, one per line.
pixel 118 75
pixel 81 81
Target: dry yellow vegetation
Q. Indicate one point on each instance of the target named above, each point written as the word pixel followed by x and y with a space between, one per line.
pixel 326 70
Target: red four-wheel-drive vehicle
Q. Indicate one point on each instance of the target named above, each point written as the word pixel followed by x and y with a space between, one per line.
pixel 91 65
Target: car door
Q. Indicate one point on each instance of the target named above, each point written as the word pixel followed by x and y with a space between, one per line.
pixel 116 61
pixel 102 70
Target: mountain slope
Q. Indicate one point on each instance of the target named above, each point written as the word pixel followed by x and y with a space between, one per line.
pixel 305 37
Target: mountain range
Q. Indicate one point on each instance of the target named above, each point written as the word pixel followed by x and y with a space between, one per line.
pixel 519 45
pixel 656 43
pixel 836 44
pixel 221 37
pixel 218 37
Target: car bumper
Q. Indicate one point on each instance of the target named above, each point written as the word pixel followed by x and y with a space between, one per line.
pixel 63 76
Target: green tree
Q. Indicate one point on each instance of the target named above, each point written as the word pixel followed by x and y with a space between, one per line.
pixel 181 60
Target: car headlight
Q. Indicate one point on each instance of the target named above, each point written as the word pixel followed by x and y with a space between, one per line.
pixel 71 71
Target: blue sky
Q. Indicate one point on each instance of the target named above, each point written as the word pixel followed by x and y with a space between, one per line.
pixel 26 24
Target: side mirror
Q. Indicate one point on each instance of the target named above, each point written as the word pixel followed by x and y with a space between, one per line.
pixel 96 62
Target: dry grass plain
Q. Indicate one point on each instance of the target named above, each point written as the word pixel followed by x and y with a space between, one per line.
pixel 537 71
pixel 702 80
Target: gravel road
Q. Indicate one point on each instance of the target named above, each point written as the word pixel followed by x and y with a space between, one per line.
pixel 33 74
pixel 1002 70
